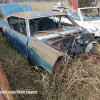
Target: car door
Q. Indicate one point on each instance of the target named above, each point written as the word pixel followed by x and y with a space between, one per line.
pixel 18 36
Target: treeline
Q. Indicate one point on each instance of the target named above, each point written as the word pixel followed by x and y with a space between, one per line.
pixel 84 3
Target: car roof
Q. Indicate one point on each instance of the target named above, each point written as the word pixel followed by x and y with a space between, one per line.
pixel 36 14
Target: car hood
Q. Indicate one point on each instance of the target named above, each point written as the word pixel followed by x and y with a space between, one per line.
pixel 59 34
pixel 8 9
pixel 92 26
pixel 63 41
pixel 96 22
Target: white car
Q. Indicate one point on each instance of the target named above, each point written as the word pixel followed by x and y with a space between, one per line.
pixel 87 17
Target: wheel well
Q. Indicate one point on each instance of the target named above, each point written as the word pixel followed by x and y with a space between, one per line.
pixel 1 30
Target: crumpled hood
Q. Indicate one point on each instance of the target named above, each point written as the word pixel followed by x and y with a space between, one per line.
pixel 74 40
pixel 8 9
pixel 58 34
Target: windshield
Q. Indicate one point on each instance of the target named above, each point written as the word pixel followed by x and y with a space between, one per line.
pixel 90 14
pixel 73 14
pixel 52 23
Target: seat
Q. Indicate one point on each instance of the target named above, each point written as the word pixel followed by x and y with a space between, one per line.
pixel 49 24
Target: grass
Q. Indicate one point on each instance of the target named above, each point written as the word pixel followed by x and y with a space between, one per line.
pixel 79 81
pixel 19 73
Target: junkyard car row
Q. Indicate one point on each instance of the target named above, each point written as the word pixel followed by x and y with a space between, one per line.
pixel 42 36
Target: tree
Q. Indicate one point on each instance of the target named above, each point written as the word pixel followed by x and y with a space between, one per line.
pixel 84 3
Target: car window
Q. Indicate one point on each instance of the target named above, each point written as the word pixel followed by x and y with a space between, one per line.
pixel 18 24
pixel 90 14
pixel 41 24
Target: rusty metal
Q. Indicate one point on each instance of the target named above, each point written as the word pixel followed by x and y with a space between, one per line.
pixel 4 86
pixel 47 33
pixel 55 47
pixel 36 14
pixel 63 35
pixel 44 55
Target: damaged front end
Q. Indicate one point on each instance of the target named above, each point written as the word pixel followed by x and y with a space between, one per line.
pixel 74 43
pixel 46 47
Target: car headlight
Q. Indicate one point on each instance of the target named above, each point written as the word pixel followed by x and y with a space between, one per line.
pixel 82 39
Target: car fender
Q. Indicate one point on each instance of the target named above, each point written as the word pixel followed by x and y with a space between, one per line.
pixel 43 55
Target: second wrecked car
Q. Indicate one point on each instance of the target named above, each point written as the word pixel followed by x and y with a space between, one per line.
pixel 41 36
pixel 87 17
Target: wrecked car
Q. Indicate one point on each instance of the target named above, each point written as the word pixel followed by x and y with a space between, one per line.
pixel 42 37
pixel 87 17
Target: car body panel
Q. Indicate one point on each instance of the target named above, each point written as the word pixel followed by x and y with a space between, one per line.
pixel 11 8
pixel 42 54
pixel 20 42
pixel 36 14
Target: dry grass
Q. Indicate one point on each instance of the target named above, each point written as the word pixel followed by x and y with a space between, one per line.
pixel 19 73
pixel 44 5
pixel 80 81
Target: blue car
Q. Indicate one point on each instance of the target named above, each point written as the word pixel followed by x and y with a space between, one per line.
pixel 42 36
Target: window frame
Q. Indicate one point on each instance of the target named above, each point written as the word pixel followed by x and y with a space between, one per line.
pixel 18 23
